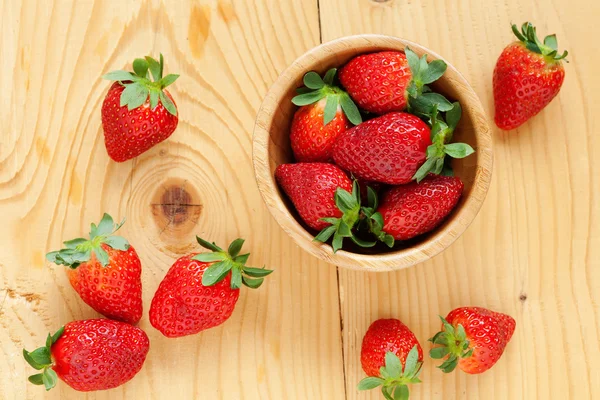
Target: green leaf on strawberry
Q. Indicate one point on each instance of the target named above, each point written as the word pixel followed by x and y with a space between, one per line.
pixel 421 100
pixel 340 228
pixel 41 359
pixel 373 219
pixel 441 134
pixel 393 379
pixel 139 87
pixel 549 48
pixel 230 261
pixel 317 88
pixel 80 250
pixel 453 343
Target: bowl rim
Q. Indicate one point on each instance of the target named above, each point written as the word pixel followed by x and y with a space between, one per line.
pixel 439 239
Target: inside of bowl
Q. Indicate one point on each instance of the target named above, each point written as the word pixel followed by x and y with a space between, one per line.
pixel 451 85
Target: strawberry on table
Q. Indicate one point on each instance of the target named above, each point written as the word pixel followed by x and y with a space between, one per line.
pixel 417 208
pixel 88 355
pixel 325 111
pixel 137 112
pixel 200 291
pixel 105 270
pixel 392 357
pixel 394 81
pixel 472 338
pixel 527 76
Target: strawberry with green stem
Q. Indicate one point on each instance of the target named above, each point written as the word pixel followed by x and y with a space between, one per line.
pixel 441 135
pixel 389 81
pixel 138 112
pixel 472 338
pixel 528 75
pixel 325 111
pixel 89 355
pixel 105 270
pixel 392 358
pixel 200 291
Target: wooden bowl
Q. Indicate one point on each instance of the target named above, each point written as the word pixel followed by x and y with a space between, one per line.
pixel 271 147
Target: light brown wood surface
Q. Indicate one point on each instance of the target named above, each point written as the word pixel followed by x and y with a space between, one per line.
pixel 532 252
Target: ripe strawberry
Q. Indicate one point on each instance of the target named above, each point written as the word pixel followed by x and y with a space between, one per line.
pixel 528 75
pixel 93 354
pixel 105 270
pixel 392 358
pixel 393 81
pixel 325 198
pixel 200 290
pixel 413 209
pixel 138 113
pixel 325 111
pixel 472 338
pixel 311 187
pixel 388 149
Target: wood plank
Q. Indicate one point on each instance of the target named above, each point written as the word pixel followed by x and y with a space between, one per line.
pixel 534 250
pixel 283 341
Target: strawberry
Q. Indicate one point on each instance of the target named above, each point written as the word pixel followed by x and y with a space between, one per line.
pixel 473 338
pixel 388 149
pixel 325 111
pixel 394 81
pixel 392 357
pixel 411 210
pixel 527 76
pixel 200 290
pixel 325 198
pixel 93 354
pixel 105 270
pixel 138 113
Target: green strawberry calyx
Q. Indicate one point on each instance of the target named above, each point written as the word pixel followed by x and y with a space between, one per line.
pixel 374 220
pixel 80 250
pixel 393 379
pixel 316 88
pixel 441 135
pixel 340 228
pixel 453 345
pixel 139 86
pixel 421 99
pixel 41 360
pixel 226 261
pixel 549 48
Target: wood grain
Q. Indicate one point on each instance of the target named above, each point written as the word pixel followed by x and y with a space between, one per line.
pixel 534 249
pixel 55 178
pixel 532 252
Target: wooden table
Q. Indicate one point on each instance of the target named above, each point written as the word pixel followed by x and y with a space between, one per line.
pixel 533 252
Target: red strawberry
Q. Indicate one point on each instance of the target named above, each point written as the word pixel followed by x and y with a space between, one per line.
pixel 93 354
pixel 105 270
pixel 413 209
pixel 393 81
pixel 528 75
pixel 472 338
pixel 392 358
pixel 138 113
pixel 325 198
pixel 312 187
pixel 320 118
pixel 200 290
pixel 388 149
